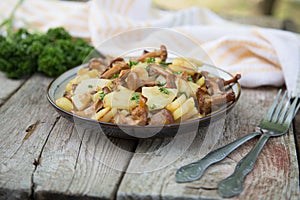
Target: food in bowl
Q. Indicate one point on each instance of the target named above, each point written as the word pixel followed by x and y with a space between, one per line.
pixel 146 90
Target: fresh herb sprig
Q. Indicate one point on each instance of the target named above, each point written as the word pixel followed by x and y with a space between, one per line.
pixel 164 90
pixel 135 97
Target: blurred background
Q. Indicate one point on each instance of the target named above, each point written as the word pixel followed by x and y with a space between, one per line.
pixel 273 13
pixel 283 14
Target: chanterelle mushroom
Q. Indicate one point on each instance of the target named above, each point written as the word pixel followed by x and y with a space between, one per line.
pixel 170 78
pixel 162 54
pixel 98 64
pixel 215 95
pixel 116 66
pixel 133 81
pixel 162 117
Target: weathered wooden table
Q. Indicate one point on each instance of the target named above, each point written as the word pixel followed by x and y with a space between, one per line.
pixel 44 156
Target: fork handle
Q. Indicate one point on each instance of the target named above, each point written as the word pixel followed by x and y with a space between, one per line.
pixel 233 185
pixel 194 171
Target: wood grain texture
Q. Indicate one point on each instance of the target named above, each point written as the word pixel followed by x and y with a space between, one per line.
pixel 8 87
pixel 275 175
pixel 297 134
pixel 81 164
pixel 18 149
pixel 44 156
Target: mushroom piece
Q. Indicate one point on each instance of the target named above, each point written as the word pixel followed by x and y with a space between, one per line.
pixel 224 98
pixel 206 103
pixel 216 85
pixel 201 101
pixel 139 114
pixel 133 81
pixel 217 101
pixel 162 117
pixel 213 86
pixel 170 78
pixel 118 59
pixel 162 54
pixel 98 104
pixel 232 80
pixel 98 64
pixel 116 66
pixel 184 76
pixel 156 69
pixel 121 118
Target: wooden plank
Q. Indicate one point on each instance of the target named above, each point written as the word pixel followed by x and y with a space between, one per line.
pixel 26 121
pixel 81 164
pixel 8 87
pixel 275 175
pixel 297 135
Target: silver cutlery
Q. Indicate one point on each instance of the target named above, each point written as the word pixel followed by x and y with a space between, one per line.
pixel 194 171
pixel 275 123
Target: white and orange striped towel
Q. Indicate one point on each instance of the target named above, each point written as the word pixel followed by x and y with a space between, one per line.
pixel 263 56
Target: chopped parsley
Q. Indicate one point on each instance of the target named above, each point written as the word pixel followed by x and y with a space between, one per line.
pixel 132 63
pixel 161 84
pixel 163 64
pixel 164 90
pixel 135 97
pixel 102 95
pixel 152 106
pixel 147 68
pixel 150 60
pixel 116 75
pixel 189 78
pixel 90 86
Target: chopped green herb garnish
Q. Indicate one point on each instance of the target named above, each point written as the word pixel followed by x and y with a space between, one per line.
pixel 90 86
pixel 152 106
pixel 178 72
pixel 102 95
pixel 164 90
pixel 116 75
pixel 150 60
pixel 189 78
pixel 147 68
pixel 132 63
pixel 163 64
pixel 161 84
pixel 135 97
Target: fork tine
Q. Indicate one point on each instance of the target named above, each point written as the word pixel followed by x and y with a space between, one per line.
pixel 278 109
pixel 284 111
pixel 292 111
pixel 298 107
pixel 270 112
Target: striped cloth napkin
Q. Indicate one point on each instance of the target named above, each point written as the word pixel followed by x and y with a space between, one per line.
pixel 263 56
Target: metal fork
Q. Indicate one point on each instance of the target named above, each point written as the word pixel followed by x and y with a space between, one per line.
pixel 195 170
pixel 275 123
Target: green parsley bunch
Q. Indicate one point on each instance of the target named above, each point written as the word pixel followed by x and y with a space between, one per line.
pixel 22 53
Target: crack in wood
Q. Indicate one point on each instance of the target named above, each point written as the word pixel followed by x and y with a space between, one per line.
pixel 79 149
pixel 37 161
pixel 115 192
pixel 76 161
